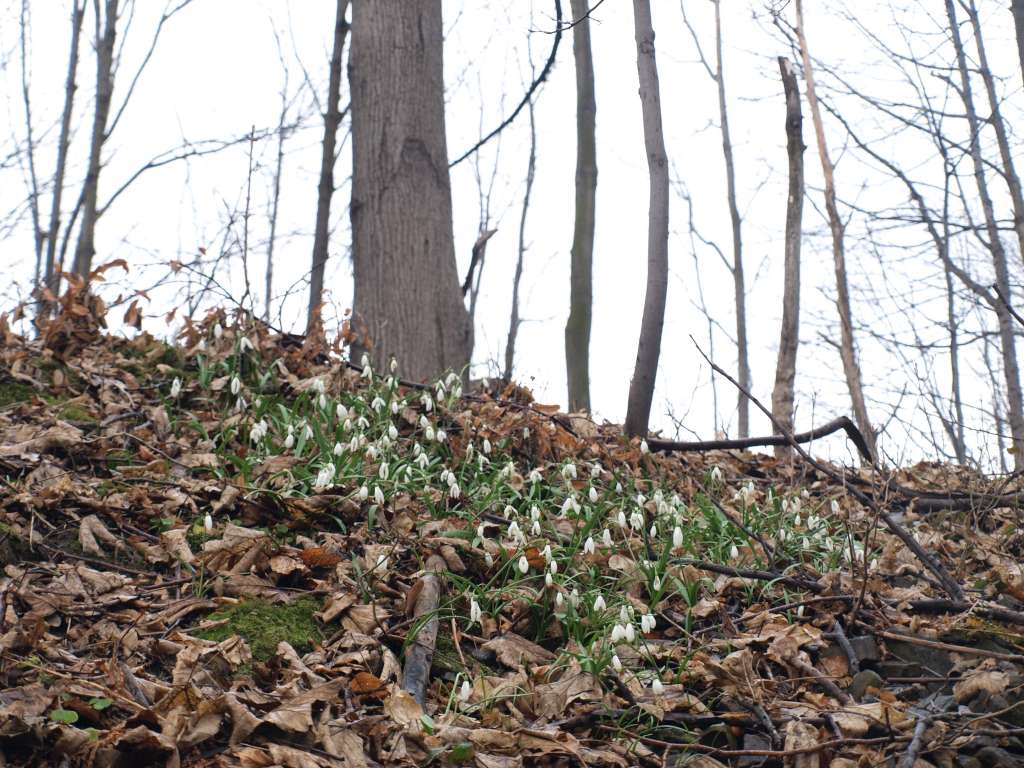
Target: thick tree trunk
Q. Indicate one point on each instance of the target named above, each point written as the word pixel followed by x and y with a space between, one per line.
pixel 789 337
pixel 641 387
pixel 325 189
pixel 577 328
pixel 51 278
pixel 1015 405
pixel 407 300
pixel 106 34
pixel 1017 9
pixel 739 286
pixel 847 347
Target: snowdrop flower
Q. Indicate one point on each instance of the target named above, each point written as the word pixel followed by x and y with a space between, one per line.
pixel 308 432
pixel 175 387
pixel 796 520
pixel 734 552
pixel 599 603
pixel 378 495
pixel 364 493
pixel 429 434
pixel 621 519
pixel 526 433
pixel 559 601
pixel 636 520
pixel 548 580
pixel 640 499
pixel 595 469
pixel 384 471
pixel 324 477
pixel 475 614
pixel 377 403
pixel 465 691
pixel 616 663
pixel 353 444
pixel 482 461
pixel 392 431
pixel 362 422
pixel 236 385
pixel 800 611
pixel 422 461
pixel 454 491
pixel 606 537
pixel 481 531
pixel 427 401
pixel 553 567
pixel 338 449
pixel 382 562
pixel 648 623
pixel 510 510
pixel 524 564
pixel 624 616
pixel 535 528
pixel 208 523
pixel 394 407
pixel 245 345
pixel 716 474
pixel 656 583
pixel 629 632
pixel 834 506
pixel 592 495
pixel 535 476
pixel 618 634
pixel 441 435
pixel 393 365
pixel 569 471
pixel 657 688
pixel 654 530
pixel 258 431
pixel 372 452
pixel 782 534
pixel 618 487
pixel 487 446
pixel 218 331
pixel 514 531
pixel 289 441
pixel 644 448
pixel 321 400
pixel 588 546
pixel 241 405
pixel 677 537
pixel 534 512
pixel 488 559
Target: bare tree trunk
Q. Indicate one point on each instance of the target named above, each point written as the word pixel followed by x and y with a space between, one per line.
pixel 641 387
pixel 513 323
pixel 33 177
pixel 1011 371
pixel 407 299
pixel 848 351
pixel 1017 9
pixel 275 204
pixel 577 328
pixel 51 273
pixel 789 337
pixel 325 190
pixel 106 33
pixel 739 288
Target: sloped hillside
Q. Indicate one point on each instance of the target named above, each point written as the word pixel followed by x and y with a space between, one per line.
pixel 244 551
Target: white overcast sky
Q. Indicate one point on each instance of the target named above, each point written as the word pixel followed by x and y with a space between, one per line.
pixel 216 73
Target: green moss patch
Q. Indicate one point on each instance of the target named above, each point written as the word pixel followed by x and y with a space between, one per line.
pixel 12 392
pixel 263 625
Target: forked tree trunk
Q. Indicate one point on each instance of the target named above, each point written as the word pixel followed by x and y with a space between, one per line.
pixel 789 337
pixel 325 189
pixel 641 387
pixel 847 347
pixel 577 328
pixel 1011 371
pixel 407 300
pixel 106 34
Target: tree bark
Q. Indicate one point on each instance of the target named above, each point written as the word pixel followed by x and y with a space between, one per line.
pixel 789 337
pixel 739 286
pixel 577 328
pixel 106 35
pixel 407 300
pixel 1017 9
pixel 325 189
pixel 641 387
pixel 51 278
pixel 1011 371
pixel 514 320
pixel 848 351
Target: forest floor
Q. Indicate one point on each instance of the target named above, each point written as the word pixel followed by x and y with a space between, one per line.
pixel 243 551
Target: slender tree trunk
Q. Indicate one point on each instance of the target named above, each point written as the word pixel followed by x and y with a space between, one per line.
pixel 275 204
pixel 106 34
pixel 577 328
pixel 739 287
pixel 51 273
pixel 1014 401
pixel 407 300
pixel 33 177
pixel 1017 9
pixel 848 350
pixel 325 189
pixel 641 387
pixel 789 337
pixel 513 323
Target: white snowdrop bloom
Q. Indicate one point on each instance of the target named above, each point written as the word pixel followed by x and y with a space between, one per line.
pixel 640 499
pixel 236 385
pixel 324 477
pixel 834 506
pixel 553 567
pixel 620 520
pixel 382 562
pixel 796 505
pixel 321 400
pixel 644 448
pixel 394 407
pixel 427 401
pixel 805 493
pixel 465 691
pixel 377 403
pixel 487 446
pixel 524 564
pixel 488 559
pixel 716 474
pixel 208 523
pixel 372 452
pixel 588 546
pixel 241 405
pixel 546 553
pixel 308 433
pixel 245 345
pixel 424 422
pixel 384 471
pixel 338 449
pixel 782 534
pixel 873 566
pixel 353 444
pixel 796 520
pixel 618 634
pixel 481 462
pixel 616 663
pixel 829 546
pixel 393 365
pixel 319 386
pixel 289 441
pixel 548 580
pixel 384 442
pixel 636 520
pixel 346 426
pixel 574 598
pixel 378 495
pixel 812 521
pixel 800 611
pixel 441 435
pixel 630 631
pixel 364 493
pixel 654 530
pixel 417 449
pixel 481 531
pixel 475 614
pixel 534 512
pixel 392 431
pixel 535 476
pixel 599 603
pixel 656 583
pixel 559 601
pixel 218 331
pixel 734 552
pixel 677 537
pixel 259 431
pixel 595 469
pixel 454 491
pixel 452 479
pixel 606 537
pixel 657 688
pixel 648 623
pixel 440 390
pixel 457 391
pixel 362 422
pixel 428 434
pixel 175 387
pixel 510 510
pixel 526 433
pixel 624 616
pixel 514 531
pixel 592 495
pixel 618 487
pixel 569 471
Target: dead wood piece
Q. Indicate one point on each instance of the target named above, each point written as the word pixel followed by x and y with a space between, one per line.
pixel 420 654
